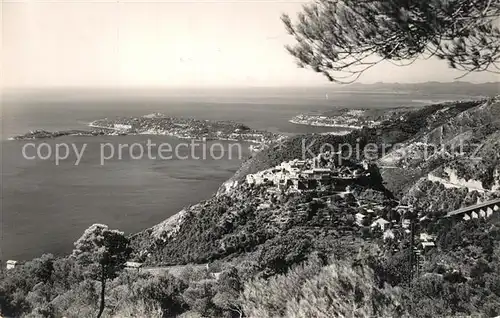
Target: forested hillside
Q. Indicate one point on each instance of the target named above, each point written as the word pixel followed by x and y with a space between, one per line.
pixel 254 222
pixel 283 253
pixel 458 161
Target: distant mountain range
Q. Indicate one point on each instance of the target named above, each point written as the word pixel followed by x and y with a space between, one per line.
pixel 459 87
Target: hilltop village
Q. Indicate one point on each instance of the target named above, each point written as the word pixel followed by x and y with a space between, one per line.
pixel 331 177
pixel 283 199
pixel 297 175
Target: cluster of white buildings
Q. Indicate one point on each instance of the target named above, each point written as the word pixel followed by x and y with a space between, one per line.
pixel 424 240
pixel 306 174
pixel 122 127
pixel 280 176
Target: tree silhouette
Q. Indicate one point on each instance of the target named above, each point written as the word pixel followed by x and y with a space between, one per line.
pixel 103 252
pixel 343 38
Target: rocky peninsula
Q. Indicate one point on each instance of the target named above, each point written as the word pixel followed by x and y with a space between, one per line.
pixel 44 134
pixel 160 124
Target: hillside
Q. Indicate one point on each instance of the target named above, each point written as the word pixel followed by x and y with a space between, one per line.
pixel 454 163
pixel 437 159
pixel 244 220
pixel 251 220
pixel 395 133
pixel 311 234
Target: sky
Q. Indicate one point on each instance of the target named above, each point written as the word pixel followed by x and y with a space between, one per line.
pixel 84 43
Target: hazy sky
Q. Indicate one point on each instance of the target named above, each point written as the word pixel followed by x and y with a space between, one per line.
pixel 166 43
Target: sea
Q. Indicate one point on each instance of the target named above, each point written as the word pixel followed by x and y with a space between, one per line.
pixel 46 205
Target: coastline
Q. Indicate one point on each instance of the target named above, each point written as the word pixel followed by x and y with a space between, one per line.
pixel 171 225
pixel 346 118
pixel 160 125
pixel 169 134
pixel 315 124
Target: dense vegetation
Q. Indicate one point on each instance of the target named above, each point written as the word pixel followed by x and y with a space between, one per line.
pixel 464 155
pixel 278 254
pixel 251 220
pixel 297 255
pixel 460 277
pixel 412 125
pixel 343 38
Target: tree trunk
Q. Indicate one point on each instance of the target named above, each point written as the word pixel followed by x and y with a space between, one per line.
pixel 103 289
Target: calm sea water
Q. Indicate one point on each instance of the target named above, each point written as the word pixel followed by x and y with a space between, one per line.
pixel 46 207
